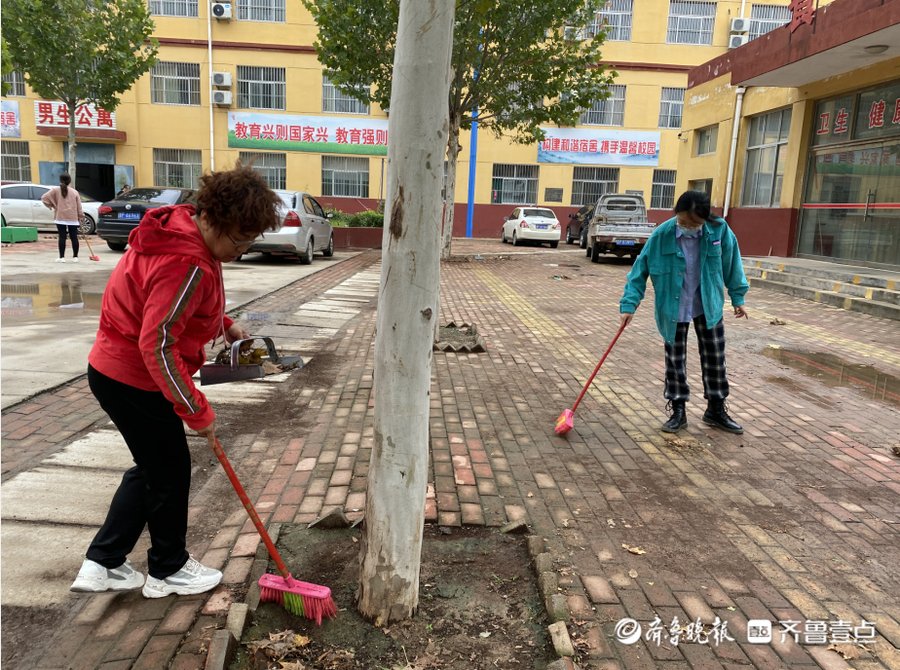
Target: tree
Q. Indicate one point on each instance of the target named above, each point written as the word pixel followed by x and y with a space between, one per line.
pixel 5 66
pixel 79 51
pixel 514 61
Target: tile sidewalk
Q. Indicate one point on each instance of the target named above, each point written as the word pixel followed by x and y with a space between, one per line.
pixel 798 519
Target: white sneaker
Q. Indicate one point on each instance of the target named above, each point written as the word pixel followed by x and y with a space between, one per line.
pixel 193 577
pixel 75 260
pixel 94 578
pixel 60 260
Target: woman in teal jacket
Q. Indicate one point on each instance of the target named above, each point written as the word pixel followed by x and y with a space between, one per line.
pixel 690 259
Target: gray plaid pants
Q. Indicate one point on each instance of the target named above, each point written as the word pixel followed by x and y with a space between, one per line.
pixel 712 361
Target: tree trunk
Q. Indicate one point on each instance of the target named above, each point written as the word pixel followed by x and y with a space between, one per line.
pixel 395 501
pixel 453 150
pixel 73 144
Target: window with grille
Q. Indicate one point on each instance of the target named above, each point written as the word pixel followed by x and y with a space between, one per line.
pixel 707 138
pixel 179 168
pixel 691 22
pixel 517 184
pixel 589 183
pixel 608 112
pixel 615 17
pixel 671 105
pixel 261 10
pixel 175 83
pixel 766 150
pixel 345 176
pixel 764 18
pixel 16 161
pixel 270 166
pixel 260 87
pixel 662 194
pixel 16 83
pixel 335 100
pixel 173 7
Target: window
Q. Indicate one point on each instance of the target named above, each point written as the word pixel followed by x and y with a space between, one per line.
pixel 764 18
pixel 662 195
pixel 344 176
pixel 175 83
pixel 16 162
pixel 766 149
pixel 16 83
pixel 173 7
pixel 260 87
pixel 608 112
pixel 615 17
pixel 589 183
pixel 704 185
pixel 691 22
pixel 271 166
pixel 261 10
pixel 514 183
pixel 706 140
pixel 334 100
pixel 179 168
pixel 671 105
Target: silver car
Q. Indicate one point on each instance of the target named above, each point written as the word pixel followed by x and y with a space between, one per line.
pixel 21 205
pixel 304 230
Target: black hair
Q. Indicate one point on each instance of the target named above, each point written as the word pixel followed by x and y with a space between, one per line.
pixel 64 181
pixel 694 202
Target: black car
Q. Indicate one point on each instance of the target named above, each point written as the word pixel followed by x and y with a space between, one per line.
pixel 120 216
pixel 577 226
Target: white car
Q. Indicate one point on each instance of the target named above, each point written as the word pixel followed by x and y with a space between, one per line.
pixel 20 205
pixel 531 223
pixel 304 230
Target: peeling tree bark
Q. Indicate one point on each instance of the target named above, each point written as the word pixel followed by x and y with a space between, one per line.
pixel 407 307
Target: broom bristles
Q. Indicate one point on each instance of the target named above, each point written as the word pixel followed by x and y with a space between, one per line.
pixel 312 601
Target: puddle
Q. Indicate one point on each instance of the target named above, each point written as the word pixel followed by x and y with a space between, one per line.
pixel 833 371
pixel 46 298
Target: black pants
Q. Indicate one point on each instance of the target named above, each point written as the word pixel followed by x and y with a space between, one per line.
pixel 154 493
pixel 62 231
pixel 712 361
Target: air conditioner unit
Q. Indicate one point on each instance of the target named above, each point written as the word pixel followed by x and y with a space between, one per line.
pixel 735 41
pixel 222 98
pixel 222 79
pixel 740 25
pixel 222 10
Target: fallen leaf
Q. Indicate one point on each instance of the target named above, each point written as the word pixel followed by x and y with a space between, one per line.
pixel 777 322
pixel 301 640
pixel 484 634
pixel 610 523
pixel 633 550
pixel 846 651
pixel 896 450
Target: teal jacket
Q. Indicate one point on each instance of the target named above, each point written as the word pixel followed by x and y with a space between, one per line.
pixel 662 260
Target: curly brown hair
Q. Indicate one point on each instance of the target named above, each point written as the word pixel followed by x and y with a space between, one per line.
pixel 238 201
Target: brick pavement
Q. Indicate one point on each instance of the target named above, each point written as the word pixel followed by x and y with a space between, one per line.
pixel 796 519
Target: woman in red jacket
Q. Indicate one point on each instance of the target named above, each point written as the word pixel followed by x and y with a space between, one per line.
pixel 164 302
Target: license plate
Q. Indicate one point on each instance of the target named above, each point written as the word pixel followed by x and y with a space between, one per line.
pixel 541 226
pixel 129 215
pixel 626 243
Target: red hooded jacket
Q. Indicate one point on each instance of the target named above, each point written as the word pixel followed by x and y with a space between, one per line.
pixel 164 301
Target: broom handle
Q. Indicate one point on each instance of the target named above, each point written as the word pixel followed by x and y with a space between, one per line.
pixel 597 369
pixel 251 511
pixel 88 242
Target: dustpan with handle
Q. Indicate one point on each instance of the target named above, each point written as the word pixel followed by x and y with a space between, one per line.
pixel 234 370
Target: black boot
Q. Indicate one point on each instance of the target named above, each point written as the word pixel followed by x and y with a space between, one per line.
pixel 678 420
pixel 716 415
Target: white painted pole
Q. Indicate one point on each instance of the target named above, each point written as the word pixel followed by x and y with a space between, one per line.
pixel 732 156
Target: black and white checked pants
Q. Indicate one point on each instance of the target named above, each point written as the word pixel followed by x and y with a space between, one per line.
pixel 711 342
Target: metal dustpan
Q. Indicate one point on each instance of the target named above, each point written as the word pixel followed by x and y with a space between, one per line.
pixel 220 373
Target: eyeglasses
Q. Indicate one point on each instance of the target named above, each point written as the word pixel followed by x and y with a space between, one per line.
pixel 240 244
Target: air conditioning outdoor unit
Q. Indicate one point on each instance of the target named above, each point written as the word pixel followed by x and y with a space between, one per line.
pixel 222 10
pixel 740 25
pixel 735 41
pixel 222 79
pixel 222 98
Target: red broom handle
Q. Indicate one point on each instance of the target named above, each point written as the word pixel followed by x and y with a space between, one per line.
pixel 251 511
pixel 597 369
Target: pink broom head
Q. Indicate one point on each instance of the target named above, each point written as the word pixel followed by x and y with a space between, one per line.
pixel 300 598
pixel 565 422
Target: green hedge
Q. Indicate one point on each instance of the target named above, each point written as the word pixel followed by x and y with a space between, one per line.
pixel 368 219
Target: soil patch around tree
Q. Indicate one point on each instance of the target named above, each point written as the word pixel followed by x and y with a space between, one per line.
pixel 479 607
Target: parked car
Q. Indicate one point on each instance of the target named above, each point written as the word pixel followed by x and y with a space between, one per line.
pixel 304 230
pixel 538 224
pixel 120 216
pixel 578 222
pixel 619 226
pixel 20 205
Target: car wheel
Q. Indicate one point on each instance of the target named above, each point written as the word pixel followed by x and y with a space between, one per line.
pixel 515 240
pixel 116 246
pixel 595 253
pixel 307 257
pixel 503 235
pixel 554 245
pixel 329 250
pixel 583 241
pixel 87 227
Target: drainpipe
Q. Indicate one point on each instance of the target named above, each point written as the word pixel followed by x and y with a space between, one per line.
pixel 209 51
pixel 732 156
